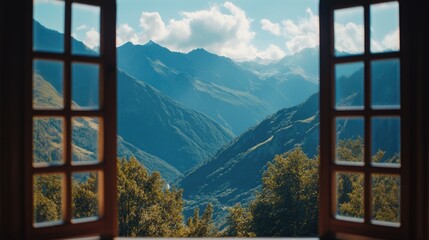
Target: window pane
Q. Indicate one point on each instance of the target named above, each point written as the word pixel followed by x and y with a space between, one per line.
pixel 385 84
pixel 48 141
pixel 349 31
pixel 385 27
pixel 85 86
pixel 85 197
pixel 386 202
pixel 349 86
pixel 386 141
pixel 48 20
pixel 47 84
pixel 85 29
pixel 350 196
pixel 85 140
pixel 48 199
pixel 349 141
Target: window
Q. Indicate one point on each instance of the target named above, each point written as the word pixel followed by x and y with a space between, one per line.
pixel 375 117
pixel 414 210
pixel 86 83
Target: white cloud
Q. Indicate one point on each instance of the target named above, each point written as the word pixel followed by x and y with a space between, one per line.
pixel 222 29
pixel 125 33
pixel 349 37
pixel 298 35
pixel 92 38
pixel 273 28
pixel 391 40
pixel 301 34
pixel 153 27
pixel 273 52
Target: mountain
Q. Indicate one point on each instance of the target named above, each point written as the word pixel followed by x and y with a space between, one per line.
pixel 48 136
pixel 235 172
pixel 304 63
pixel 165 128
pixel 147 119
pixel 217 86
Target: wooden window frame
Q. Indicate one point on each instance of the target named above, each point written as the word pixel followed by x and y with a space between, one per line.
pixel 106 224
pixel 329 226
pixel 15 75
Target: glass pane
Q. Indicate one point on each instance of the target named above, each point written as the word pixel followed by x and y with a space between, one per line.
pixel 385 27
pixel 349 197
pixel 349 86
pixel 349 31
pixel 48 147
pixel 85 140
pixel 47 84
pixel 85 196
pixel 48 200
pixel 48 23
pixel 386 84
pixel 386 200
pixel 349 141
pixel 85 29
pixel 85 86
pixel 386 141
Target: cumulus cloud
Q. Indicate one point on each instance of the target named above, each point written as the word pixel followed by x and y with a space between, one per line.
pixel 224 29
pixel 273 52
pixel 273 28
pixel 391 40
pixel 298 35
pixel 125 33
pixel 349 37
pixel 301 34
pixel 92 38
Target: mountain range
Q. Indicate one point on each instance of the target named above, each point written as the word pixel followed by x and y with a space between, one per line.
pixel 178 114
pixel 155 126
pixel 228 92
pixel 234 174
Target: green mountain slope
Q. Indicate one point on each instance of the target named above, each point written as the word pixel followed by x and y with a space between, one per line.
pixel 165 128
pixel 48 137
pixel 235 172
pixel 217 86
pixel 147 119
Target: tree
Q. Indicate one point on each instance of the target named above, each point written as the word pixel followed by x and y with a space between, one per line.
pixel 239 222
pixel 288 202
pixel 146 207
pixel 85 196
pixel 47 198
pixel 204 226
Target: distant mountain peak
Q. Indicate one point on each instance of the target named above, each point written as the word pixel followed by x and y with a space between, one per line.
pixel 152 43
pixel 201 51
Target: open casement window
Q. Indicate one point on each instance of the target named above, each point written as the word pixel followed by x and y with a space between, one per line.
pixel 364 153
pixel 70 187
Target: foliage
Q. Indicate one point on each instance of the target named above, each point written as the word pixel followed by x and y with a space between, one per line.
pixel 287 205
pixel 85 196
pixel 385 190
pixel 47 198
pixel 239 222
pixel 145 206
pixel 202 226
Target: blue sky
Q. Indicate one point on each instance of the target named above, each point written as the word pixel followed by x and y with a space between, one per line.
pixel 239 29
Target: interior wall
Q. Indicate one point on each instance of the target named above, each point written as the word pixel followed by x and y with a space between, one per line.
pixel 15 29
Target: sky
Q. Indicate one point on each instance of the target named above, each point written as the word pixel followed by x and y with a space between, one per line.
pixel 240 29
